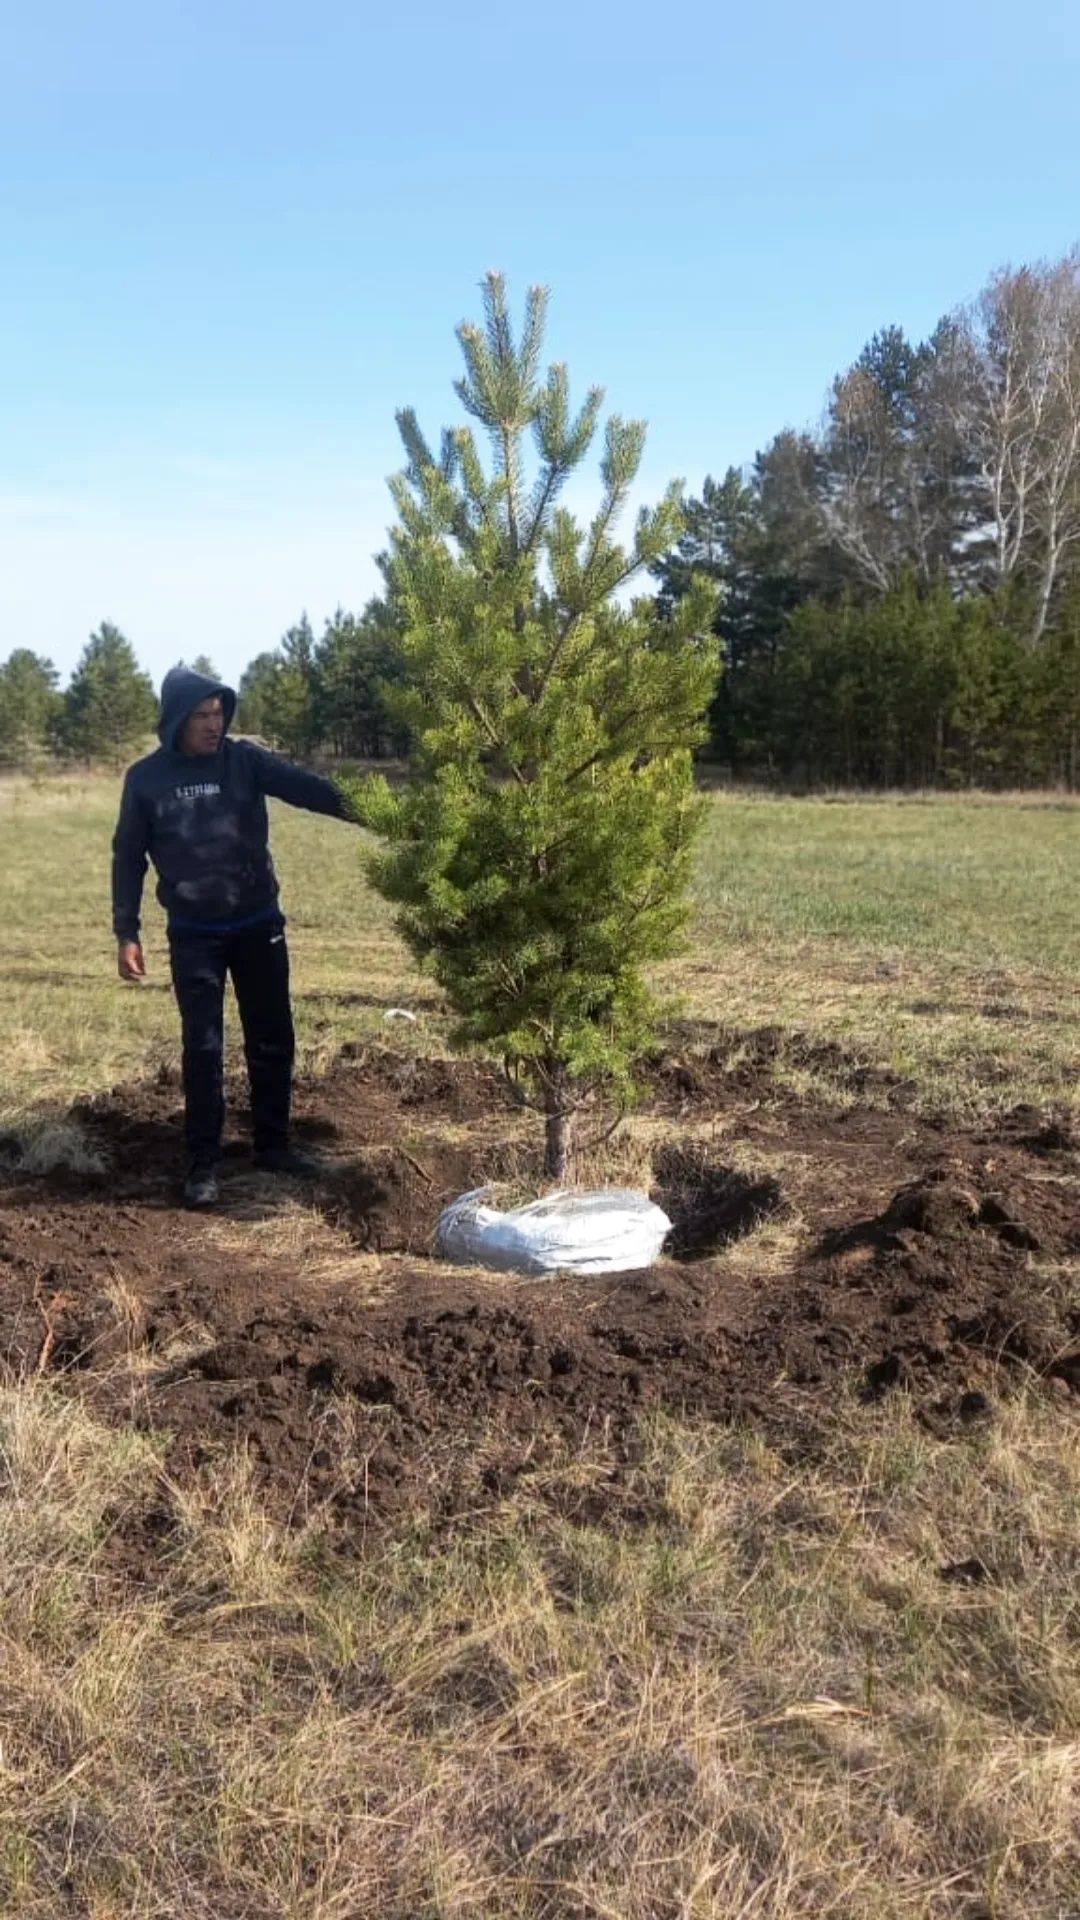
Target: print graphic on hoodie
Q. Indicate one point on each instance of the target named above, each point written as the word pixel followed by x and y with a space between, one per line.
pixel 202 820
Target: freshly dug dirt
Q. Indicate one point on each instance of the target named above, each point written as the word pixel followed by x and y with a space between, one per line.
pixel 815 1250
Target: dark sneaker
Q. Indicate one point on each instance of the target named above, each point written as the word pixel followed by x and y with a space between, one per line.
pixel 201 1188
pixel 289 1161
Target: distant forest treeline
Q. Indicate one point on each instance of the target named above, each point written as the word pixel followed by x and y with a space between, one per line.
pixel 900 589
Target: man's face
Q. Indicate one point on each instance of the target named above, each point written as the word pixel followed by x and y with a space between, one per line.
pixel 203 729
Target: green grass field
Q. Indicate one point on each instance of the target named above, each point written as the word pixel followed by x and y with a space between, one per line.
pixel 939 937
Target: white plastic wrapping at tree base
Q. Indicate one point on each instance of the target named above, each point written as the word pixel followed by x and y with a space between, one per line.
pixel 613 1230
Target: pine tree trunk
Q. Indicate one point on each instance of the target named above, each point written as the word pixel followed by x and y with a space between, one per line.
pixel 556 1122
pixel 556 1145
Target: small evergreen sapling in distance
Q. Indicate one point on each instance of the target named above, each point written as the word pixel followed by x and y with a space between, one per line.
pixel 540 854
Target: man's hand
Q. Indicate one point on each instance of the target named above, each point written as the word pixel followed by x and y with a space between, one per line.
pixel 129 960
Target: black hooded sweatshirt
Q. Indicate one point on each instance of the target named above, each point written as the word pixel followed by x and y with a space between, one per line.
pixel 202 820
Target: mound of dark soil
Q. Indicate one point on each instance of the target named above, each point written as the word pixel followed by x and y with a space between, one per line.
pixel 714 1063
pixel 918 1260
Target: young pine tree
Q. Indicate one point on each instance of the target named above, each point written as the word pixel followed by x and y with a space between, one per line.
pixel 255 694
pixel 109 707
pixel 278 694
pixel 29 707
pixel 540 854
pixel 291 694
pixel 357 662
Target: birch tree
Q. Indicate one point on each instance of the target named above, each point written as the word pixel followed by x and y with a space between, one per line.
pixel 1019 415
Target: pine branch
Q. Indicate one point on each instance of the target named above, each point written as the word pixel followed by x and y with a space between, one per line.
pixel 483 719
pixel 616 745
pixel 557 650
pixel 553 478
pixel 609 512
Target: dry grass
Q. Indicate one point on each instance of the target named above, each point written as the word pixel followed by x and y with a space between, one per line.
pixel 771 1247
pixel 294 1235
pixel 39 1143
pixel 762 1702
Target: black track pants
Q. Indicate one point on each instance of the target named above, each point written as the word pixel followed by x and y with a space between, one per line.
pixel 258 960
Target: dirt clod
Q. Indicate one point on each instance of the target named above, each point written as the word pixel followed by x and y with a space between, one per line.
pixel 969 1572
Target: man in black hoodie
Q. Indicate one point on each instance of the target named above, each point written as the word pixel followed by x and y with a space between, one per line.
pixel 197 809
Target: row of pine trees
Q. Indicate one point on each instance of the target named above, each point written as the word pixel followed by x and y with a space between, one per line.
pixel 328 698
pixel 108 708
pixel 899 590
pixel 916 687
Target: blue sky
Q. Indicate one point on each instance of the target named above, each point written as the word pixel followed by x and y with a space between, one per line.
pixel 236 237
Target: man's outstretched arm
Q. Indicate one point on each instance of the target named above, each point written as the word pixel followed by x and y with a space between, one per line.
pixel 130 849
pixel 297 787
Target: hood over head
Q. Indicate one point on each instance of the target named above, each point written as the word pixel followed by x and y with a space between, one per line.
pixel 182 690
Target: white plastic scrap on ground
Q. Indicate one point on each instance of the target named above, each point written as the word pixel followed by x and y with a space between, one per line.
pixel 615 1230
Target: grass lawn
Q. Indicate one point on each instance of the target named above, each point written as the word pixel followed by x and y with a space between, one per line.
pixel 938 936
